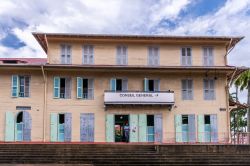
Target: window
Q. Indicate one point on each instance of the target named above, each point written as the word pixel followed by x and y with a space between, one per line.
pixel 121 55
pixel 187 89
pixel 184 119
pixel 88 54
pixel 65 54
pixel 208 57
pixel 207 119
pixel 61 118
pixel 186 56
pixel 153 56
pixel 20 86
pixel 62 87
pixel 119 84
pixel 151 85
pixel 85 88
pixel 209 89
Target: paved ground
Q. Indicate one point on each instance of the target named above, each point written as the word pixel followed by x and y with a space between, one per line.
pixel 46 165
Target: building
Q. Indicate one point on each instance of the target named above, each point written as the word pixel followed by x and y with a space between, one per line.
pixel 165 88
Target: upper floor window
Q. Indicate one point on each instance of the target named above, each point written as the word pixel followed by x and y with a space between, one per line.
pixel 85 88
pixel 208 57
pixel 186 56
pixel 187 89
pixel 151 85
pixel 121 55
pixel 88 54
pixel 62 87
pixel 20 86
pixel 65 54
pixel 153 56
pixel 209 89
pixel 118 84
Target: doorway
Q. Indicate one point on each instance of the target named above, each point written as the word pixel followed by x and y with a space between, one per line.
pixel 19 127
pixel 120 123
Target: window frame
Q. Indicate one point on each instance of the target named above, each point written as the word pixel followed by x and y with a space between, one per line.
pixel 61 53
pixel 88 55
pixel 186 57
pixel 208 60
pixel 93 88
pixel 187 89
pixel 209 89
pixel 158 55
pixel 121 58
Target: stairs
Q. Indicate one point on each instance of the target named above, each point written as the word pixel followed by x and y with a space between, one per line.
pixel 123 154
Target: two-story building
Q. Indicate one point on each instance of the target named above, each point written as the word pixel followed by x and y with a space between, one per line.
pixel 165 88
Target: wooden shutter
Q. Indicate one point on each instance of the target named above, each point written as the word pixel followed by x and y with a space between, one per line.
pixel 56 87
pixel 67 127
pixel 27 86
pixel 211 56
pixel 67 88
pixel 91 130
pixel 113 84
pixel 53 127
pixel 214 128
pixel 191 128
pixel 118 55
pixel 150 54
pixel 142 128
pixel 206 89
pixel 158 127
pixel 190 89
pixel 63 54
pixel 201 128
pixel 184 89
pixel 156 85
pixel 110 128
pixel 189 56
pixel 133 120
pixel 183 56
pixel 124 84
pixel 91 54
pixel 68 57
pixel 9 126
pixel 27 126
pixel 15 86
pixel 212 89
pixel 178 128
pixel 79 88
pixel 145 84
pixel 84 127
pixel 90 88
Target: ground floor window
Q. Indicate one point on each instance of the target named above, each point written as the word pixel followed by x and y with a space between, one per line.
pixel 150 128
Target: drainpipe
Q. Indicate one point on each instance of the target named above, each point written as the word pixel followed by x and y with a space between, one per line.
pixel 44 104
pixel 227 104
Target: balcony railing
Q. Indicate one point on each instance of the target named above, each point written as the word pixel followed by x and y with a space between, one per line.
pixel 139 97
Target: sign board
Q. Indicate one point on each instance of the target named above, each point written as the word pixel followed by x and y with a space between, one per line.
pixel 160 98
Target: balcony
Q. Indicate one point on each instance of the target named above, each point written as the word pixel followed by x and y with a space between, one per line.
pixel 138 98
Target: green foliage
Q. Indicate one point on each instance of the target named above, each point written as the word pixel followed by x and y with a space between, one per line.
pixel 242 80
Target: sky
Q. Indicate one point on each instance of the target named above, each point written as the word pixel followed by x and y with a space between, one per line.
pixel 18 18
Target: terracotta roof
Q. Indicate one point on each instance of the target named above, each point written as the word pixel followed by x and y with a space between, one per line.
pixel 33 61
pixel 42 38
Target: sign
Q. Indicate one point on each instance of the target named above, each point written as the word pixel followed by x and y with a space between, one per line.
pixel 161 98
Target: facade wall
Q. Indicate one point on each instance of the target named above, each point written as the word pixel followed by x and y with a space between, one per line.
pixel 8 103
pixel 105 53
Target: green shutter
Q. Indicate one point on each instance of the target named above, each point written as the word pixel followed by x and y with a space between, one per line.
pixel 145 84
pixel 178 128
pixel 79 88
pixel 15 82
pixel 9 126
pixel 56 87
pixel 113 84
pixel 142 127
pixel 53 127
pixel 201 128
pixel 133 121
pixel 110 127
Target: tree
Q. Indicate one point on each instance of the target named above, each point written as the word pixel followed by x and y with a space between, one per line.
pixel 243 82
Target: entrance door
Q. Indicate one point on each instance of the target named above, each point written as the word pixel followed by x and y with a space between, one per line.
pixel 23 126
pixel 121 128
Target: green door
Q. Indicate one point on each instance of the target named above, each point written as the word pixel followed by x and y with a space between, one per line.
pixel 142 128
pixel 201 128
pixel 133 121
pixel 178 128
pixel 110 127
pixel 9 126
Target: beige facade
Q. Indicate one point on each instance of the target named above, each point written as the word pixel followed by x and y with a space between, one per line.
pixel 170 72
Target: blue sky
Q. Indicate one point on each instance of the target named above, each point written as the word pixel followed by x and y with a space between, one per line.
pixel 166 17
